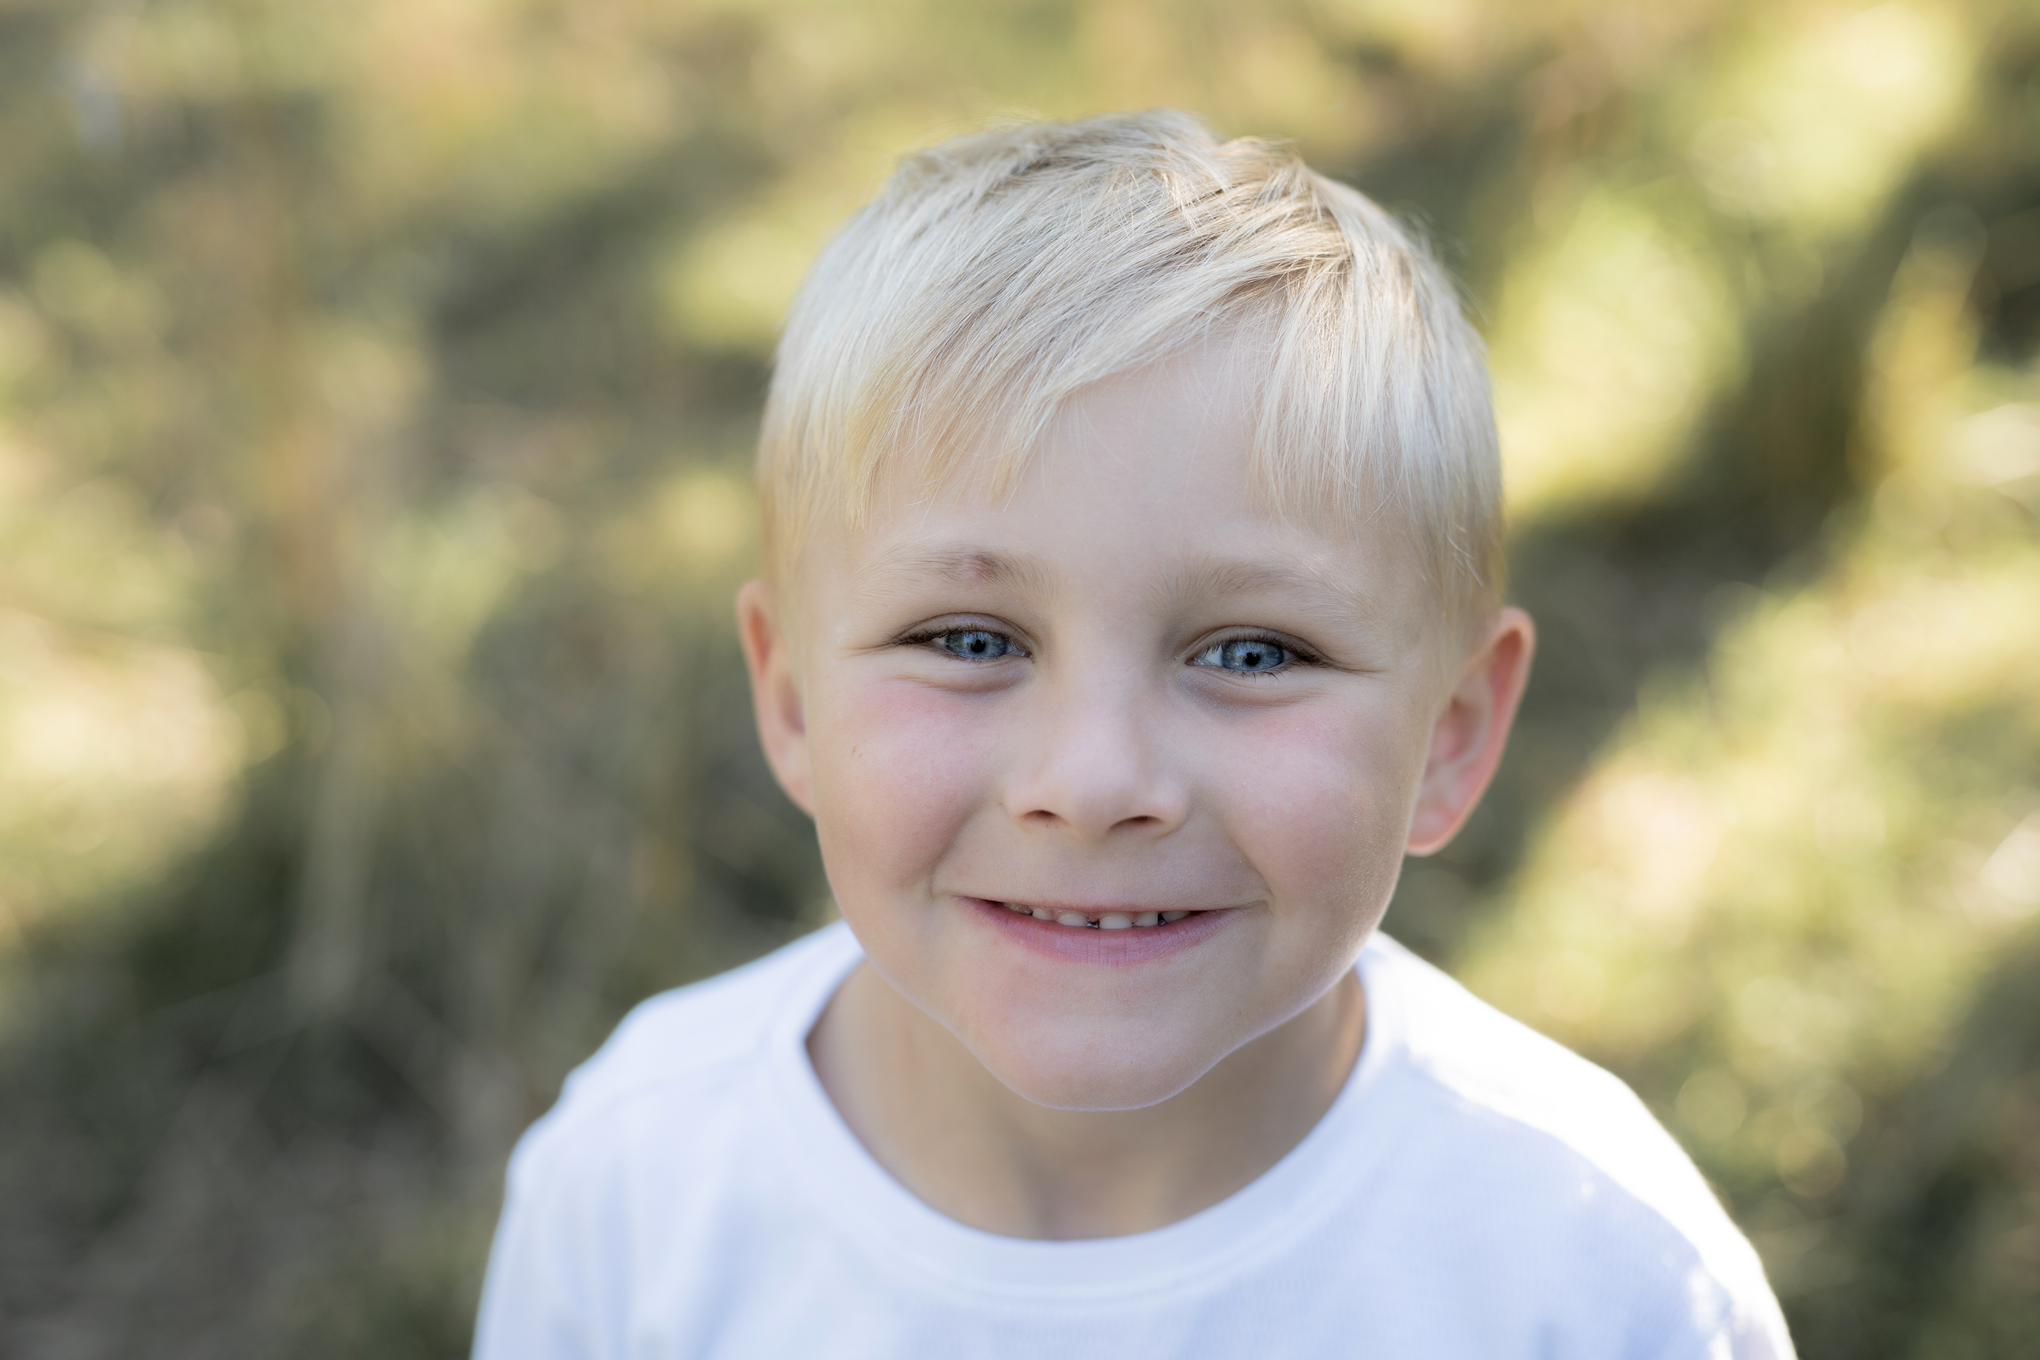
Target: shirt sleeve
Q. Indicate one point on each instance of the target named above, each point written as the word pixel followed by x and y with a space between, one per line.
pixel 544 1297
pixel 1717 1322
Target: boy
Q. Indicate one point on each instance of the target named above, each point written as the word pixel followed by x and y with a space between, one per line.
pixel 1131 608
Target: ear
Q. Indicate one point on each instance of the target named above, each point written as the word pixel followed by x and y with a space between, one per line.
pixel 1470 732
pixel 775 693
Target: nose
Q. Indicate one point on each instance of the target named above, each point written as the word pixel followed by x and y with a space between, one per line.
pixel 1091 766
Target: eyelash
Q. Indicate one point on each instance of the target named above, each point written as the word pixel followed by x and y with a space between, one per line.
pixel 1298 654
pixel 923 637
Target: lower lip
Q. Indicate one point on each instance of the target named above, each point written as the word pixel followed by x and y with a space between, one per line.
pixel 1111 948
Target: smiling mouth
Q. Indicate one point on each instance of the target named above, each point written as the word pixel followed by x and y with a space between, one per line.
pixel 1098 920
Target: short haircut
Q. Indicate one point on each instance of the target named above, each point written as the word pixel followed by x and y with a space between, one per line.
pixel 995 275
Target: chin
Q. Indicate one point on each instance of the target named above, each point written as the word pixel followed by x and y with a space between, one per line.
pixel 1069 1072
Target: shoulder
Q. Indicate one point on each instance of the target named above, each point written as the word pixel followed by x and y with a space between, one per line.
pixel 1531 1084
pixel 645 1135
pixel 1559 1156
pixel 680 1052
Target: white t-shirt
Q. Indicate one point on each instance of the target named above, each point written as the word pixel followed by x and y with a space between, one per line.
pixel 1475 1191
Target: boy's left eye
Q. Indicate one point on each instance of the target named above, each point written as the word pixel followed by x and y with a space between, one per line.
pixel 1245 656
pixel 975 644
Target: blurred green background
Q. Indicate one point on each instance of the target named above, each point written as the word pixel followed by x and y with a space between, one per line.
pixel 377 383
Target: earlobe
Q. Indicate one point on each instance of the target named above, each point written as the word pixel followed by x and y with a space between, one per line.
pixel 776 697
pixel 1471 730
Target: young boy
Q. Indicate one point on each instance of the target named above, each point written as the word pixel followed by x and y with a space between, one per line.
pixel 1132 606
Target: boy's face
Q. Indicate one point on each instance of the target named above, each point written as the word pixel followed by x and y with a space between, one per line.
pixel 1028 728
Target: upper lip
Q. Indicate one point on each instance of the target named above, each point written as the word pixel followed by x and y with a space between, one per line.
pixel 1096 909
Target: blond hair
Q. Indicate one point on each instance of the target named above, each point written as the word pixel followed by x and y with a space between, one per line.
pixel 996 275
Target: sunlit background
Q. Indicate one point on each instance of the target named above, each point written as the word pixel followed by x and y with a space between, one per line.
pixel 377 382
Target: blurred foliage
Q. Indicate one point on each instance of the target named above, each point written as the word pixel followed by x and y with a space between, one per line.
pixel 376 387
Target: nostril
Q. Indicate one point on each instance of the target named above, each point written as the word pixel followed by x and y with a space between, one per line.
pixel 1088 787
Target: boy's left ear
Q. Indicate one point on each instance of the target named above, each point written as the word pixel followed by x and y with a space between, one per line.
pixel 1470 732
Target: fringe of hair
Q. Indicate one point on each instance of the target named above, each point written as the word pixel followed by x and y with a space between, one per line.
pixel 996 275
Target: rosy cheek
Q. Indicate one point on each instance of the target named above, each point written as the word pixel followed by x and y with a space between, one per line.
pixel 1323 802
pixel 899 767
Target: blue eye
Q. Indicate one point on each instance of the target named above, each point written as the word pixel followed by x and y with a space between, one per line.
pixel 1246 656
pixel 976 644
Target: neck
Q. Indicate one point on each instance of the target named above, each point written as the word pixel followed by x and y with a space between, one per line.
pixel 951 1133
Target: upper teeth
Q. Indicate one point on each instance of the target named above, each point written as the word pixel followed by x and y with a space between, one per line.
pixel 1105 920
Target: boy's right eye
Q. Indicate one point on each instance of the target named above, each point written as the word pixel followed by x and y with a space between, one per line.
pixel 975 644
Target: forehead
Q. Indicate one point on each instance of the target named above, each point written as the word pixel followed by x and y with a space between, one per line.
pixel 1145 490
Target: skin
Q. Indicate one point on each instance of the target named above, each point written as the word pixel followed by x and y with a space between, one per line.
pixel 1030 700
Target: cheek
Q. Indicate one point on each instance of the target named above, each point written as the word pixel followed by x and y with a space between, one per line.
pixel 1325 811
pixel 898 769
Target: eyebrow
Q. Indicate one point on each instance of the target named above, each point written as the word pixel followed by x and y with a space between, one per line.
pixel 1210 580
pixel 1224 579
pixel 962 565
